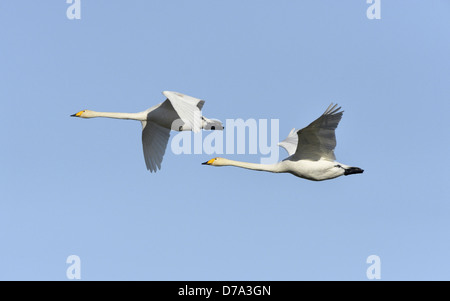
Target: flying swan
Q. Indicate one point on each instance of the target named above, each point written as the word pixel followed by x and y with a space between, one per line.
pixel 311 152
pixel 178 112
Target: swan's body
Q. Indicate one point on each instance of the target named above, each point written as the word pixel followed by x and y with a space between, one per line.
pixel 178 112
pixel 311 152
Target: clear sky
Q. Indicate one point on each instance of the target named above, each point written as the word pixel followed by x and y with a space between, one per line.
pixel 80 187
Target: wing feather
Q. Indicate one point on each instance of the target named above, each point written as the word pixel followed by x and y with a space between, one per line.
pixel 188 108
pixel 318 140
pixel 290 143
pixel 154 143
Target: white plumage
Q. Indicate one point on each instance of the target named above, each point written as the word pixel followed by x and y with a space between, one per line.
pixel 311 151
pixel 178 112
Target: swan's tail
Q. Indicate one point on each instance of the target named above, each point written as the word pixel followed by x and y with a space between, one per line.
pixel 353 170
pixel 211 124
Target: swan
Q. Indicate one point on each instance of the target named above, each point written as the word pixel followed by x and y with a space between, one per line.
pixel 178 112
pixel 311 152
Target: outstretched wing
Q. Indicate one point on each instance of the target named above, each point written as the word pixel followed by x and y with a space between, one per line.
pixel 290 143
pixel 318 139
pixel 154 143
pixel 188 108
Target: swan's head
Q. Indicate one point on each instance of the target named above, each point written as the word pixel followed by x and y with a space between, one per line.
pixel 215 162
pixel 83 114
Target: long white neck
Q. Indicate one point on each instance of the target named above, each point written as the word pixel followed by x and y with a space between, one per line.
pixel 277 167
pixel 135 116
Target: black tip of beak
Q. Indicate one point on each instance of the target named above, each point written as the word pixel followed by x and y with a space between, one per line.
pixel 205 163
pixel 73 115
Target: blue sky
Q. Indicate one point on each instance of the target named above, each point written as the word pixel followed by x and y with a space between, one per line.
pixel 72 186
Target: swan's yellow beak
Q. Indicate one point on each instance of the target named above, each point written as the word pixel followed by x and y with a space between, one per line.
pixel 209 162
pixel 77 114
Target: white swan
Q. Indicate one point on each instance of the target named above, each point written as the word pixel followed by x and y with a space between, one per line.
pixel 311 152
pixel 178 112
